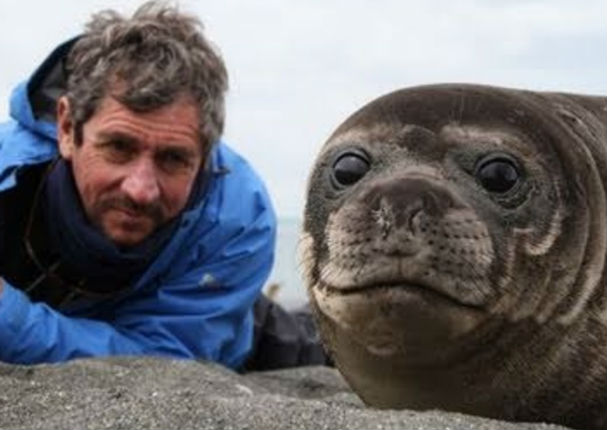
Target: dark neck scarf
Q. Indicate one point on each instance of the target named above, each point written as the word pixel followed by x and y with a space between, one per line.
pixel 88 255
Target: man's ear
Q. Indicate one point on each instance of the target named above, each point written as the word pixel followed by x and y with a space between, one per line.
pixel 65 128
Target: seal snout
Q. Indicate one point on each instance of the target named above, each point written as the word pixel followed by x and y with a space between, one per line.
pixel 401 203
pixel 406 230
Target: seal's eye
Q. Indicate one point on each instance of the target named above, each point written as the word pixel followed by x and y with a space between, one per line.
pixel 497 174
pixel 349 168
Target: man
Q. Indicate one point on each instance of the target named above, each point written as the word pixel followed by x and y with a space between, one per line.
pixel 126 226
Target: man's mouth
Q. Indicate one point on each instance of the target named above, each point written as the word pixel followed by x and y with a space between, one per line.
pixel 131 216
pixel 131 213
pixel 128 209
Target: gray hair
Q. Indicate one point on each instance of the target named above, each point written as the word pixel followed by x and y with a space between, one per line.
pixel 147 61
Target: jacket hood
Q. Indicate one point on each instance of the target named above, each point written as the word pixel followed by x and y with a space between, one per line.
pixel 33 103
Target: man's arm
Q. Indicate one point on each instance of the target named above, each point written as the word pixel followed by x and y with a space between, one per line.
pixel 204 313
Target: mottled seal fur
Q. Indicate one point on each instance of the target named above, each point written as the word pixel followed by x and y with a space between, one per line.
pixel 454 249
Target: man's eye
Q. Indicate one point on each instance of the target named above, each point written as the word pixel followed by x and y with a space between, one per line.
pixel 118 150
pixel 171 161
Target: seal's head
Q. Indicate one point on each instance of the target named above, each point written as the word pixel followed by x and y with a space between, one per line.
pixel 454 249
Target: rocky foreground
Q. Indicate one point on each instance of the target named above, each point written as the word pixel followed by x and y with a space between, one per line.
pixel 147 393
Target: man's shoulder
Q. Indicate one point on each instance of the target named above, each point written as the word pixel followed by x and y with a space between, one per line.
pixel 236 170
pixel 235 197
pixel 7 128
pixel 238 195
pixel 16 134
pixel 20 146
pixel 226 157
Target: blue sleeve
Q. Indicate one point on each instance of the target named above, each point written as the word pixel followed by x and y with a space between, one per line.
pixel 192 315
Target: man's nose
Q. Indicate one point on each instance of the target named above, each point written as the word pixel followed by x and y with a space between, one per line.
pixel 141 182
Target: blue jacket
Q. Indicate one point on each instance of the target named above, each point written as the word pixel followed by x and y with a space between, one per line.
pixel 194 301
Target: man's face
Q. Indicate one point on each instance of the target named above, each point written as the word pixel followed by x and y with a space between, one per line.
pixel 134 171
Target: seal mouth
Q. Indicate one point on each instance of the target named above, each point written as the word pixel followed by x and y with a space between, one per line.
pixel 408 287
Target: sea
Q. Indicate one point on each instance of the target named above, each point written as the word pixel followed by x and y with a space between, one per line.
pixel 286 273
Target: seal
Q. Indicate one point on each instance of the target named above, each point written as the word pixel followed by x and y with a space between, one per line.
pixel 454 250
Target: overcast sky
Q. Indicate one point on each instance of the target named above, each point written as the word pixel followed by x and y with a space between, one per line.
pixel 299 68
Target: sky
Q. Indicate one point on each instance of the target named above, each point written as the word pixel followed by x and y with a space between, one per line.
pixel 299 68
